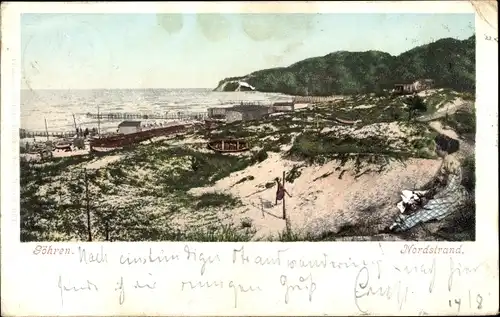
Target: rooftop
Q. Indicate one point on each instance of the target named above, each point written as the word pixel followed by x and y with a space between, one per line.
pixel 242 108
pixel 283 103
pixel 130 124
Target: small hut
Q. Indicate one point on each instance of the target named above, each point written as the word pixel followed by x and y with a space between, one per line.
pixel 247 112
pixel 217 112
pixel 283 106
pixel 127 127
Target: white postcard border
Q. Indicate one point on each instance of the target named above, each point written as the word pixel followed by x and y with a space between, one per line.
pixel 29 282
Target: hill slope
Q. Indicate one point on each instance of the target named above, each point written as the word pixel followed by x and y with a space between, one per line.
pixel 450 62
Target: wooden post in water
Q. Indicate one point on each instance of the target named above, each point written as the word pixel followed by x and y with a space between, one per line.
pixel 87 204
pixel 46 129
pixel 284 210
pixel 76 128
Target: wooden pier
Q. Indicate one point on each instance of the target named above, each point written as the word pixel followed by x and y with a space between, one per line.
pixel 153 116
pixel 57 134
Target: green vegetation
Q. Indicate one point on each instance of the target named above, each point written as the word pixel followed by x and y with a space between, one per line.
pixel 231 86
pixel 151 202
pixel 43 217
pixel 463 122
pixel 309 147
pixel 156 191
pixel 244 179
pixel 211 200
pixel 449 62
pixel 416 104
pixel 469 173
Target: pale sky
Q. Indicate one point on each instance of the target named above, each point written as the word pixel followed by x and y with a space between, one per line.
pixel 83 51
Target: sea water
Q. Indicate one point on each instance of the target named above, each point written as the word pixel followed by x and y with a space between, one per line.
pixel 57 107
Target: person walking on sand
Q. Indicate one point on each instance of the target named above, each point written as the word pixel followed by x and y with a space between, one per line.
pixel 280 191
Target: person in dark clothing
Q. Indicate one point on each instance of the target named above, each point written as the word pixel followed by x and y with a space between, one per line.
pixel 280 191
pixel 86 133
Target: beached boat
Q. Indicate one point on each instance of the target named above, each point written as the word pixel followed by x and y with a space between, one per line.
pixel 63 146
pixel 344 121
pixel 228 145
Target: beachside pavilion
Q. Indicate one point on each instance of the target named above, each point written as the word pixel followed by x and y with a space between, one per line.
pixel 127 127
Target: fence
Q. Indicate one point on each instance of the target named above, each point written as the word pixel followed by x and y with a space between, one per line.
pixel 129 139
pixel 166 116
pixel 246 102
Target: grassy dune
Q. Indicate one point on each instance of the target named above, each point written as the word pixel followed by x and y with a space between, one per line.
pixel 147 193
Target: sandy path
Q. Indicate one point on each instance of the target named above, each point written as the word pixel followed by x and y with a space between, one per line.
pixel 465 148
pixel 446 109
pixel 438 127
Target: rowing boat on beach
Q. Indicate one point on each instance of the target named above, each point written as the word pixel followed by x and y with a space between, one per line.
pixel 228 145
pixel 63 146
pixel 344 121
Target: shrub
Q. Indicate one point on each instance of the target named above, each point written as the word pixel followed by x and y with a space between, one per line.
pixel 214 200
pixel 260 156
pixel 469 173
pixel 293 174
pixel 416 104
pixel 246 222
pixel 463 122
pixel 244 179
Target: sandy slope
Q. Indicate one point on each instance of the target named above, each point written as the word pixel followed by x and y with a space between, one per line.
pixel 327 203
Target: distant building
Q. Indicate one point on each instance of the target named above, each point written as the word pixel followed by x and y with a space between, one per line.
pixel 423 84
pixel 403 88
pixel 247 112
pixel 416 86
pixel 127 127
pixel 283 106
pixel 217 113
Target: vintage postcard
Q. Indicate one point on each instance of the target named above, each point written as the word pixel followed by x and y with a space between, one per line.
pixel 161 158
